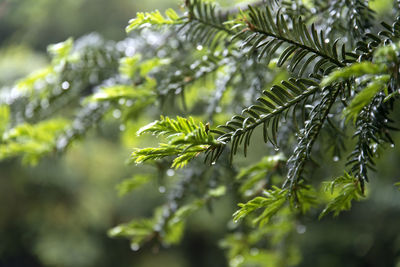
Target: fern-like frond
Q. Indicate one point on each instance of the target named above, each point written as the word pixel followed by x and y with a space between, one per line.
pixel 139 231
pixel 203 23
pixel 373 77
pixel 262 208
pixel 377 85
pixel 271 107
pixel 309 134
pixel 366 48
pixel 338 16
pixel 266 33
pixel 186 139
pixel 154 18
pixel 76 68
pixel 206 24
pixel 176 82
pixel 373 125
pixel 347 189
pixel 272 201
pixel 31 141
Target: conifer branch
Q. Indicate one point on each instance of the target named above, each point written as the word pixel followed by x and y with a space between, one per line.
pixel 309 135
pixel 268 111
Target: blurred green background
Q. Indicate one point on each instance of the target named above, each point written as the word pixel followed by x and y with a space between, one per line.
pixel 58 212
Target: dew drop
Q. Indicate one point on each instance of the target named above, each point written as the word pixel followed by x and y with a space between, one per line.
pixel 336 158
pixel 392 145
pixel 129 103
pixel 192 66
pixel 276 148
pixel 213 163
pixel 135 246
pixel 65 85
pixel 170 172
pixel 199 47
pixel 117 113
pixel 374 147
pixel 122 127
pixel 301 229
pixel 121 101
pixel 161 189
pixel 62 143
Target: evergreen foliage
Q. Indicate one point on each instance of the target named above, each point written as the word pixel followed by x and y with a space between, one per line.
pixel 273 73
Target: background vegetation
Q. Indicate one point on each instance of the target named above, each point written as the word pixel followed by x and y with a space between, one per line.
pixel 58 212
